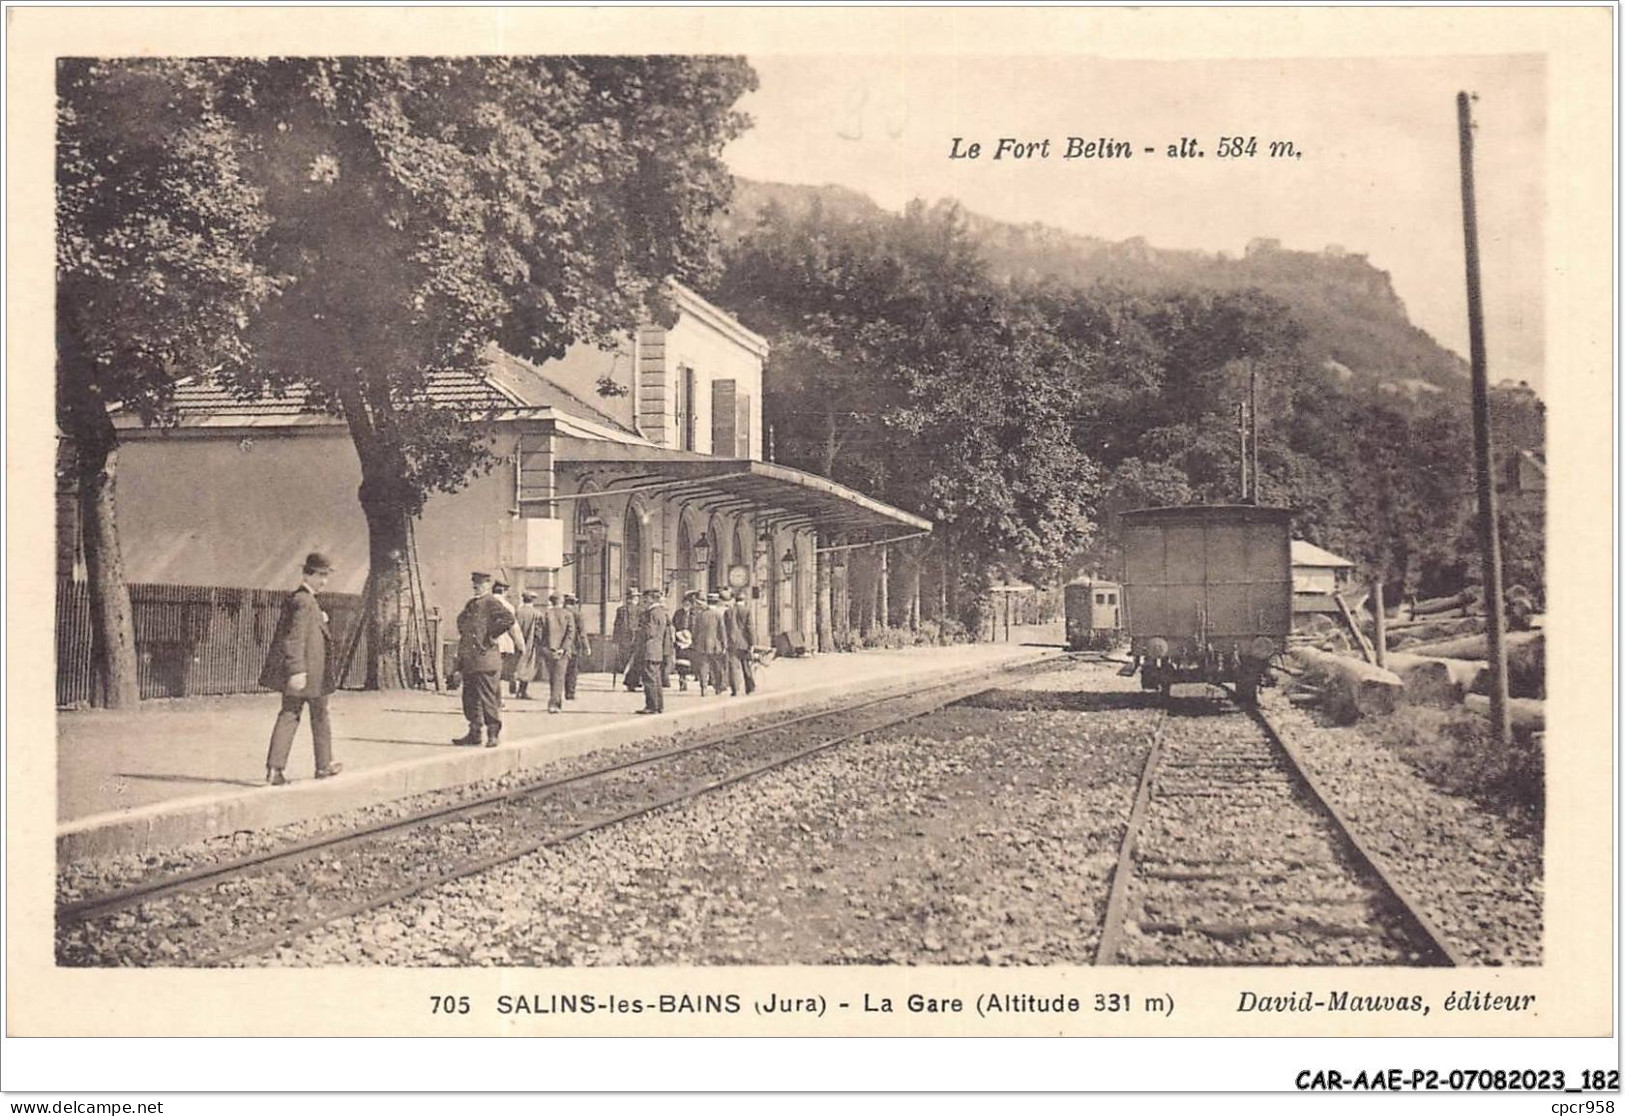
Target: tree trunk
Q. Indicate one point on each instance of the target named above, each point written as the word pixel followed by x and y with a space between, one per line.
pixel 112 626
pixel 1437 681
pixel 883 588
pixel 1527 715
pixel 826 635
pixel 868 591
pixel 914 597
pixel 842 592
pixel 386 554
pixel 1351 688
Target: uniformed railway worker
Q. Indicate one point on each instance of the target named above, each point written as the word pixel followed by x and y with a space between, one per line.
pixel 483 621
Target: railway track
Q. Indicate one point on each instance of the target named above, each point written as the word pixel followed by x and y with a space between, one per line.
pixel 1233 856
pixel 214 915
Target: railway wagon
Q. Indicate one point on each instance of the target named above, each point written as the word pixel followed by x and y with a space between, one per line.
pixel 1094 614
pixel 1207 593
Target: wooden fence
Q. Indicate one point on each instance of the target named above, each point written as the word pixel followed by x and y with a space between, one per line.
pixel 191 640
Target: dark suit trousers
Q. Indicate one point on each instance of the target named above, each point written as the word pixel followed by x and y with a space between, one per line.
pixel 572 667
pixel 709 670
pixel 558 667
pixel 740 673
pixel 287 723
pixel 654 697
pixel 482 698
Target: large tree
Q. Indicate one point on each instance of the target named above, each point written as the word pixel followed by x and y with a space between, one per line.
pixel 901 368
pixel 156 234
pixel 422 208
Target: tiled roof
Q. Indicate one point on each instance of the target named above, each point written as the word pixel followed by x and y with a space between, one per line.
pixel 1308 554
pixel 508 385
pixel 531 386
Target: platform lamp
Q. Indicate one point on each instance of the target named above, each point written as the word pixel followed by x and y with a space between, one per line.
pixel 702 558
pixel 787 565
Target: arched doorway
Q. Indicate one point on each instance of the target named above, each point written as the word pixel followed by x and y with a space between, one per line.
pixel 717 575
pixel 744 554
pixel 685 573
pixel 635 553
pixel 775 586
pixel 587 564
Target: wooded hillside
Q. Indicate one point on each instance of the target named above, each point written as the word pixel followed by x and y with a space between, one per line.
pixel 1021 385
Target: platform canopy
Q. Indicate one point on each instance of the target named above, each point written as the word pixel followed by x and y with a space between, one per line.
pixel 776 493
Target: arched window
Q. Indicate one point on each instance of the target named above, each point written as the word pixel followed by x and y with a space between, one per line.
pixel 587 563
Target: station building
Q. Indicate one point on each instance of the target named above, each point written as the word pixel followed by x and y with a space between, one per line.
pixel 623 468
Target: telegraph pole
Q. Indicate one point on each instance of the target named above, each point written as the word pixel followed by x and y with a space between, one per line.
pixel 1252 414
pixel 1488 538
pixel 1241 432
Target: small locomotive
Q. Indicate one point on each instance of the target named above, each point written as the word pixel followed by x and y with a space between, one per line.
pixel 1094 615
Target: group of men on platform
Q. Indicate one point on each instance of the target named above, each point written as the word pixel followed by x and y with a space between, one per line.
pixel 497 643
pixel 710 638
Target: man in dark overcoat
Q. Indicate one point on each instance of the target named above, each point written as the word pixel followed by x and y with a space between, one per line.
pixel 625 635
pixel 741 630
pixel 682 630
pixel 710 646
pixel 529 666
pixel 578 653
pixel 296 667
pixel 656 648
pixel 481 623
pixel 555 640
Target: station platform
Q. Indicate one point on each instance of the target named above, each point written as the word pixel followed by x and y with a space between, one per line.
pixel 178 771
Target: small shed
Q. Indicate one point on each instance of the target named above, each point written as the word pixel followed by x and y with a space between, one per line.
pixel 1316 575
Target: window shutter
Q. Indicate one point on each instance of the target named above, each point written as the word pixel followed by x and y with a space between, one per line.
pixel 742 425
pixel 724 419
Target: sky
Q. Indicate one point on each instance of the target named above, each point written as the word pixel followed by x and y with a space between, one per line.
pixel 1379 170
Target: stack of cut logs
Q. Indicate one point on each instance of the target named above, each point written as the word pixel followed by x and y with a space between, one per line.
pixel 1443 667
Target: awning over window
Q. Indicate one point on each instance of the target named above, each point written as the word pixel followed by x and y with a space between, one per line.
pixel 776 494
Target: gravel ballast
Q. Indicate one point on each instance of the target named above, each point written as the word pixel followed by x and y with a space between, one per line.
pixel 1478 876
pixel 985 833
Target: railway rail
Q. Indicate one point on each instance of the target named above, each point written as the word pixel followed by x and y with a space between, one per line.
pixel 1233 855
pixel 216 914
